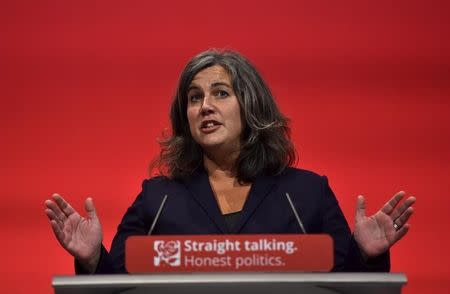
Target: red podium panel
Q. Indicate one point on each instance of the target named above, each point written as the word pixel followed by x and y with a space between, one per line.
pixel 229 253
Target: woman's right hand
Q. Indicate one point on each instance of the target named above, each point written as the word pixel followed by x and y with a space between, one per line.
pixel 81 237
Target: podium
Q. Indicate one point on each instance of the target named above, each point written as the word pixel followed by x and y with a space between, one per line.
pixel 232 283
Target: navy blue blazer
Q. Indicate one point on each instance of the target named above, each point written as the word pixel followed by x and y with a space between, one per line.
pixel 191 208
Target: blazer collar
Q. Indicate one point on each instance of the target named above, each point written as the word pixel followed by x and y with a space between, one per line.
pixel 199 186
pixel 261 187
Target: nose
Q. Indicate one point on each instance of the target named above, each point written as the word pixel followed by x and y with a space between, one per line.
pixel 207 105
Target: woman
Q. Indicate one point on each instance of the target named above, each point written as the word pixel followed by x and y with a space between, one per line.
pixel 226 169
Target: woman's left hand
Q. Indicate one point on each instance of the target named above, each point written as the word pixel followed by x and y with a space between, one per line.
pixel 377 233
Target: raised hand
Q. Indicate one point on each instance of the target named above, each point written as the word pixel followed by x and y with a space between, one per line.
pixel 81 237
pixel 377 233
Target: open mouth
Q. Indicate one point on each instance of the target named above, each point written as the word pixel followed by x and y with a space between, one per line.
pixel 210 124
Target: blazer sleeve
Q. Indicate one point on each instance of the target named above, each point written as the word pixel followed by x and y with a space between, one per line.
pixel 134 223
pixel 347 255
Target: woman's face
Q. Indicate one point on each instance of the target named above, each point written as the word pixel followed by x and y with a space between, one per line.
pixel 213 110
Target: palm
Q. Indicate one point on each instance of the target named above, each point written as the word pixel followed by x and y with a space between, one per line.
pixel 81 237
pixel 376 234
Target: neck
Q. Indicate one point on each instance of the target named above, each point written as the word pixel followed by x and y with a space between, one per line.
pixel 220 166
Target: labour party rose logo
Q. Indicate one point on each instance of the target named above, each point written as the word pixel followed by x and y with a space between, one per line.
pixel 167 253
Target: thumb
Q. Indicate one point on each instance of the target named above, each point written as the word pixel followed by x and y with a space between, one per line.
pixel 90 208
pixel 360 208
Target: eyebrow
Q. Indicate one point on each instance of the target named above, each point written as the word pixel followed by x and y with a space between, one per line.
pixel 216 84
pixel 213 85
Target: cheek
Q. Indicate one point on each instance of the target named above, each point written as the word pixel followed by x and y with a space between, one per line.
pixel 237 119
pixel 191 118
pixel 192 121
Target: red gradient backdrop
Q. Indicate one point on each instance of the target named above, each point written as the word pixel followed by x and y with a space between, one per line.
pixel 86 86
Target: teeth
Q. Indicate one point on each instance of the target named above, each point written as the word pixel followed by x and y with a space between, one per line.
pixel 209 125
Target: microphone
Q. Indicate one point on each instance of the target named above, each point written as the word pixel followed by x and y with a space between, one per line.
pixel 299 221
pixel 157 215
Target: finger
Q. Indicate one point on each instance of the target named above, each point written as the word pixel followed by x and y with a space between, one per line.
pixel 403 207
pixel 360 208
pixel 400 221
pixel 90 208
pixel 63 204
pixel 59 234
pixel 402 232
pixel 391 204
pixel 55 208
pixel 52 216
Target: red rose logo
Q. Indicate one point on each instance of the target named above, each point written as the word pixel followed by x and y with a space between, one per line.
pixel 169 252
pixel 168 249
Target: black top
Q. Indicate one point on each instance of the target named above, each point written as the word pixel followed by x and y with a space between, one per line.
pixel 231 220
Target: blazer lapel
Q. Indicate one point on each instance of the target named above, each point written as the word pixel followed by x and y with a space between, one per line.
pixel 200 188
pixel 262 187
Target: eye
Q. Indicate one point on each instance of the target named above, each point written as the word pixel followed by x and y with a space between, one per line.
pixel 195 97
pixel 222 93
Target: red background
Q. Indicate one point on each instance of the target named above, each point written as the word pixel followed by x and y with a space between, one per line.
pixel 86 86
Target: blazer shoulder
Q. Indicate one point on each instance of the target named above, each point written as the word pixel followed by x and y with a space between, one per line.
pixel 159 184
pixel 302 175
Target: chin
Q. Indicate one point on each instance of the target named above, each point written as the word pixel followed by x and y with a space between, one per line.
pixel 211 144
pixel 210 141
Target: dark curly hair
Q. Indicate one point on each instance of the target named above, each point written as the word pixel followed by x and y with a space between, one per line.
pixel 266 148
